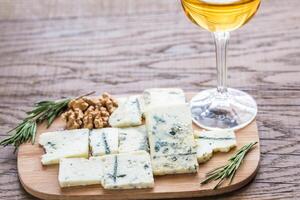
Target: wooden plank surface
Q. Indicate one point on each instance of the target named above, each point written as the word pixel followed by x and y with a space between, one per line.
pixel 42 181
pixel 50 49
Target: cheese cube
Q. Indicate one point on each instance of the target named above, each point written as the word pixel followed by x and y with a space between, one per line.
pixel 219 140
pixel 133 139
pixel 170 134
pixel 127 170
pixel 204 151
pixel 79 171
pixel 104 141
pixel 162 97
pixel 64 144
pixel 127 114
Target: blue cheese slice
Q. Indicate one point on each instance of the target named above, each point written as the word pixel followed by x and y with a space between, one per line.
pixel 133 139
pixel 104 141
pixel 64 144
pixel 80 171
pixel 204 151
pixel 127 114
pixel 162 97
pixel 122 100
pixel 127 171
pixel 174 164
pixel 219 140
pixel 171 139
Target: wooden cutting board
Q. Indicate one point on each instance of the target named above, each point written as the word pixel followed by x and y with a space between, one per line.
pixel 42 181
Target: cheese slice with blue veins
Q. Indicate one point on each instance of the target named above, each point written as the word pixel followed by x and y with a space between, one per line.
pixel 79 171
pixel 133 139
pixel 122 100
pixel 64 144
pixel 162 97
pixel 219 140
pixel 104 141
pixel 127 171
pixel 127 114
pixel 174 164
pixel 204 151
pixel 170 130
pixel 171 138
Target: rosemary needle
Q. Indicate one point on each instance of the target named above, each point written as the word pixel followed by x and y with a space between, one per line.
pixel 43 111
pixel 228 171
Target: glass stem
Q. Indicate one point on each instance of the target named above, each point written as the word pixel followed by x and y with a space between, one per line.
pixel 221 41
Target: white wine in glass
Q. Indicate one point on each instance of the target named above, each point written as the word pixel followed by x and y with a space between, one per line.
pixel 222 107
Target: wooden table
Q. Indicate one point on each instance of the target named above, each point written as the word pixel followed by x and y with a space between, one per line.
pixel 50 49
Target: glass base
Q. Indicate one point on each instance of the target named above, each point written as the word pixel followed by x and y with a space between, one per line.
pixel 233 109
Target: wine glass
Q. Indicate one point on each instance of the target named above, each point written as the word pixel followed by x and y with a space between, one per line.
pixel 223 107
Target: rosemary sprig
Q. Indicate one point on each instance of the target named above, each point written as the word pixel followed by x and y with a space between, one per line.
pixel 228 171
pixel 44 111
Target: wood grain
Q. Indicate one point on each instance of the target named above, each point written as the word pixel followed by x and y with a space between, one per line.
pixel 42 181
pixel 50 49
